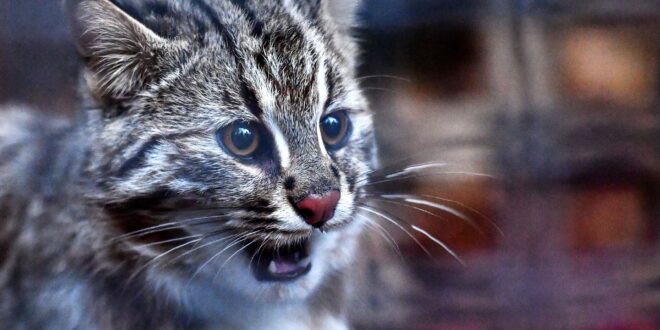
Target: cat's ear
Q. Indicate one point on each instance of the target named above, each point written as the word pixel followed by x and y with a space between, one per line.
pixel 343 12
pixel 120 52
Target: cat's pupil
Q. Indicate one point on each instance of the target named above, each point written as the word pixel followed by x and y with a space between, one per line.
pixel 242 137
pixel 331 127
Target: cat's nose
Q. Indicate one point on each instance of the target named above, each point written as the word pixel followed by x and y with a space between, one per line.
pixel 317 209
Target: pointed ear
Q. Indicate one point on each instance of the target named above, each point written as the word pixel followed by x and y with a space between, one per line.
pixel 343 12
pixel 121 53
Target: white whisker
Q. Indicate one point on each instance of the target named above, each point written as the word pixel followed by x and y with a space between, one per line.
pixel 261 246
pixel 163 227
pixel 239 239
pixel 376 173
pixel 499 230
pixel 437 241
pixel 230 257
pixel 383 76
pixel 195 247
pixel 174 249
pixel 437 206
pixel 433 174
pixel 171 240
pixel 392 221
pixel 375 226
pixel 155 259
pixel 415 168
pixel 385 200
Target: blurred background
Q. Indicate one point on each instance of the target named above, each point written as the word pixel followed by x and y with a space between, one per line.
pixel 558 100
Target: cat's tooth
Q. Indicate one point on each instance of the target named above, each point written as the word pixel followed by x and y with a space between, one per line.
pixel 272 268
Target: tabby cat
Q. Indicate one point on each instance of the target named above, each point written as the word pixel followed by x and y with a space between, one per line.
pixel 210 178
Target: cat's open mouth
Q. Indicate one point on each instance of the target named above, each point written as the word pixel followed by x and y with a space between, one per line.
pixel 286 263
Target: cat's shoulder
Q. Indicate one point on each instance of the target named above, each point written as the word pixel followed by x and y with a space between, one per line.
pixel 25 139
pixel 15 121
pixel 16 135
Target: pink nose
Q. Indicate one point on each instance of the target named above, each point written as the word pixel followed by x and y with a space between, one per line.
pixel 316 210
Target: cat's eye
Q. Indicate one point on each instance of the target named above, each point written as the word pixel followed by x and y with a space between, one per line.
pixel 241 139
pixel 335 129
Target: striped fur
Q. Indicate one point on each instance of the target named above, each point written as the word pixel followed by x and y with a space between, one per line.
pixel 161 77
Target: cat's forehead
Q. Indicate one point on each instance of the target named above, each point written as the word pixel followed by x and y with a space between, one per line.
pixel 242 66
pixel 266 82
pixel 284 74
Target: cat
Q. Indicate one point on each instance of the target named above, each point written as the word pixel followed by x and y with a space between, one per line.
pixel 210 178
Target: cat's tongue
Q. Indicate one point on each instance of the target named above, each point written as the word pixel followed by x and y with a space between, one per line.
pixel 282 264
pixel 288 264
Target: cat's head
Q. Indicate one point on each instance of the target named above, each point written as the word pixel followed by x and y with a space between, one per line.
pixel 232 138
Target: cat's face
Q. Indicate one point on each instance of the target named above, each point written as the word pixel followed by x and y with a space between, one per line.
pixel 246 147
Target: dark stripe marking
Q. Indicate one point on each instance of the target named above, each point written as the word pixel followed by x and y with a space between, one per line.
pixel 335 171
pixel 259 221
pixel 138 158
pixel 330 82
pixel 250 99
pixel 211 14
pixel 351 179
pixel 260 206
pixel 260 59
pixel 257 26
pixel 249 96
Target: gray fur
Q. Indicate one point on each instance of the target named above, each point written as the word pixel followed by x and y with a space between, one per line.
pixel 161 77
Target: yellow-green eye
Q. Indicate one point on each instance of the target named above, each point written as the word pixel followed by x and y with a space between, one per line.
pixel 240 138
pixel 335 129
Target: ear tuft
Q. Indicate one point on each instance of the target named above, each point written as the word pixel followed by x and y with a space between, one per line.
pixel 121 53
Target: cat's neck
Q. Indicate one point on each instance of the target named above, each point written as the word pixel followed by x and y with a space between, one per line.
pixel 324 309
